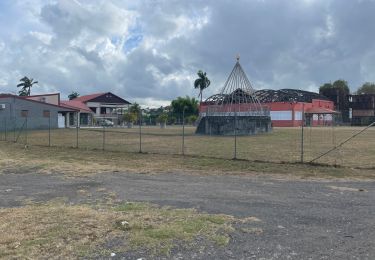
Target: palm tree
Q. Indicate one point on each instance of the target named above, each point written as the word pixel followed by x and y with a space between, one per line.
pixel 73 95
pixel 26 86
pixel 202 82
pixel 135 108
pixel 22 92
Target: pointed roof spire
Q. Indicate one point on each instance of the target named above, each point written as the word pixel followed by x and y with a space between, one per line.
pixel 238 57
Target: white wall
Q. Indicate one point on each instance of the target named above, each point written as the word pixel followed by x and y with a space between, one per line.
pixel 281 115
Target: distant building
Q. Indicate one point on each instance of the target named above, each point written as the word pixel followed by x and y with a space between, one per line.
pixel 340 100
pixel 96 107
pixel 362 109
pixel 34 112
pixel 288 105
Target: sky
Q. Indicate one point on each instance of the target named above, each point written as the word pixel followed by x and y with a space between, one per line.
pixel 150 51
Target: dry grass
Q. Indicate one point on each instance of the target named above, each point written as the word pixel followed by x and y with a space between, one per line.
pixel 282 145
pixel 56 230
pixel 14 158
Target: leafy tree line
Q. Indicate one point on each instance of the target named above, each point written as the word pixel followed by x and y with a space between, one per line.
pixel 342 87
pixel 171 114
pixel 339 91
pixel 366 88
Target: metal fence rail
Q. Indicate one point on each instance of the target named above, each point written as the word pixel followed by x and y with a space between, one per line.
pixel 331 145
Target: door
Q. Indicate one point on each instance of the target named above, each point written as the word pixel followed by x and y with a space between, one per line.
pixel 60 121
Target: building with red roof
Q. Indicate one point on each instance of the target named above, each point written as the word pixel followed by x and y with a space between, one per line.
pixel 286 106
pixel 96 107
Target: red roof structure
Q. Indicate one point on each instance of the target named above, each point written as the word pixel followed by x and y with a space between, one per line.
pixel 88 97
pixel 76 104
pixel 63 108
pixel 320 110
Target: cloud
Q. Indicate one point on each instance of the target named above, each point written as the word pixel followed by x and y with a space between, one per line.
pixel 150 51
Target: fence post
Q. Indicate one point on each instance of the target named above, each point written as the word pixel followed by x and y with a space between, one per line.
pixel 302 129
pixel 26 129
pixel 140 130
pixel 183 131
pixel 14 129
pixel 235 135
pixel 77 131
pixel 6 130
pixel 49 128
pixel 103 147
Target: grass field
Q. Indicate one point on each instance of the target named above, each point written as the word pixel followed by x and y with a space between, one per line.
pixel 282 145
pixel 57 229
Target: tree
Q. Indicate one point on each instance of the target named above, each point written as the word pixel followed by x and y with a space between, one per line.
pixel 339 85
pixel 135 108
pixel 22 93
pixel 26 86
pixel 338 92
pixel 130 117
pixel 342 86
pixel 202 82
pixel 366 88
pixel 162 119
pixel 189 104
pixel 73 95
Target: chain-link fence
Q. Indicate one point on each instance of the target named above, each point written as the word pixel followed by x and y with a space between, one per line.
pixel 332 145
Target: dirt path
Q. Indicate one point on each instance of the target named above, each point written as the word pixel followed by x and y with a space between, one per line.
pixel 299 219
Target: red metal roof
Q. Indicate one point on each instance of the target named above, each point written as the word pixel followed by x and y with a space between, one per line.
pixel 320 110
pixel 88 97
pixel 70 109
pixel 76 104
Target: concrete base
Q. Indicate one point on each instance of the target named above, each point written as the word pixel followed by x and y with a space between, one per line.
pixel 224 125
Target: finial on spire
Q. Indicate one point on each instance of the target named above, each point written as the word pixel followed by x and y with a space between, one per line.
pixel 238 57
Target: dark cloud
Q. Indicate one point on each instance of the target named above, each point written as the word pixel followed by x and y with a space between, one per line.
pixel 151 50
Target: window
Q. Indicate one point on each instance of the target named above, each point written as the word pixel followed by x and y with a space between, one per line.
pixel 24 113
pixel 46 113
pixel 103 110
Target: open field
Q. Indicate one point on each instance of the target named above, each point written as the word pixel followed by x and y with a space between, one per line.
pixel 15 158
pixel 282 145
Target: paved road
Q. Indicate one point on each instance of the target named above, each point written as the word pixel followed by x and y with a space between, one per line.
pixel 300 219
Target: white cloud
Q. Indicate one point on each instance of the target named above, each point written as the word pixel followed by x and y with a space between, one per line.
pixel 43 37
pixel 149 51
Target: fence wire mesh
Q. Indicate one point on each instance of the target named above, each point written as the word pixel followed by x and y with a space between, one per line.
pixel 281 145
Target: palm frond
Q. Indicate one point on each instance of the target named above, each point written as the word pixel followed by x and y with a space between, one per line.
pixel 197 83
pixel 208 82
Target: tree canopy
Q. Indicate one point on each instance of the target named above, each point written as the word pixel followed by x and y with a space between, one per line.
pixel 340 85
pixel 26 85
pixel 201 83
pixel 73 95
pixel 338 93
pixel 135 108
pixel 367 88
pixel 190 105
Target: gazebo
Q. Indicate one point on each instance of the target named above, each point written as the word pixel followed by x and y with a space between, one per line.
pixel 235 110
